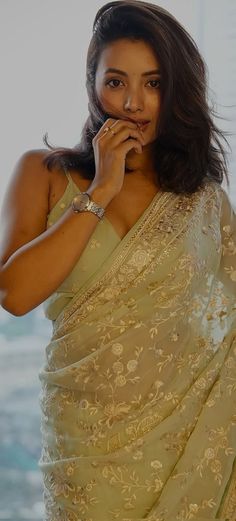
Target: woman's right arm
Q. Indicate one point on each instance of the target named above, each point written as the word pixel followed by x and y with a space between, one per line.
pixel 34 261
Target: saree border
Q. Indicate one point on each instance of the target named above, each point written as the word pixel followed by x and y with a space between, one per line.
pixel 228 508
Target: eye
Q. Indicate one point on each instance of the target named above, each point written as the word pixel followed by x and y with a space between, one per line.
pixel 116 80
pixel 108 83
pixel 155 81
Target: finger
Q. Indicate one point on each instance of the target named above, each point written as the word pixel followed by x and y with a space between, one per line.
pixel 120 123
pixel 111 121
pixel 124 133
pixel 126 146
pixel 117 123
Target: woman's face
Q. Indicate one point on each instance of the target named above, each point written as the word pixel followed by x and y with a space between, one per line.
pixel 133 91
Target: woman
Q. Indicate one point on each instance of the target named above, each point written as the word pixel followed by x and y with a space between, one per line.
pixel 134 260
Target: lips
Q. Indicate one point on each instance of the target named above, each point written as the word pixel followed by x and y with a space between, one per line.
pixel 143 125
pixel 140 121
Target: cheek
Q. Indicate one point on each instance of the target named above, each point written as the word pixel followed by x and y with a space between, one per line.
pixel 155 103
pixel 103 95
pixel 107 99
pixel 100 92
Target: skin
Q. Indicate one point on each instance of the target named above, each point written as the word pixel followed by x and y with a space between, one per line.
pixel 134 96
pixel 28 249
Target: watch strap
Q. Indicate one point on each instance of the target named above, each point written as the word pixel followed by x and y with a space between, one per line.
pixel 90 207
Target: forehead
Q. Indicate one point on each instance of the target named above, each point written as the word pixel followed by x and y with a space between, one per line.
pixel 128 55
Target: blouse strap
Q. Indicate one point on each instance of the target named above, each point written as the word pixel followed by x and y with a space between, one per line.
pixel 66 172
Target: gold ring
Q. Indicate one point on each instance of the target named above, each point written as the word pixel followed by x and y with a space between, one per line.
pixel 106 129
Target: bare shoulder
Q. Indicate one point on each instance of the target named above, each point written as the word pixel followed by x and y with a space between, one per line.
pixel 25 204
pixel 28 170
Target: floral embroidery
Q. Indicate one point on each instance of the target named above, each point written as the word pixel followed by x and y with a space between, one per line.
pixel 94 243
pixel 139 383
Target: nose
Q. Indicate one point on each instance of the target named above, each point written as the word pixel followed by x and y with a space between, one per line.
pixel 133 100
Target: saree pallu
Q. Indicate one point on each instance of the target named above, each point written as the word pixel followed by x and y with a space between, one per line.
pixel 139 383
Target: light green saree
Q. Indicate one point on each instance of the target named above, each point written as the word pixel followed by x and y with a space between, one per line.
pixel 139 384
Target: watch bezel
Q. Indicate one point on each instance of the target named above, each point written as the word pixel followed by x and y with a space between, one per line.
pixel 81 201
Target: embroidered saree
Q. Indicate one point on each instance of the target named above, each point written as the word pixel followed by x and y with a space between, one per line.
pixel 139 381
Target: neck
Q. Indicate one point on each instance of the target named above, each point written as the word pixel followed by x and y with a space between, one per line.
pixel 141 164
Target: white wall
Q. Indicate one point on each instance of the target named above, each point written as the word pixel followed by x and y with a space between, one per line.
pixel 219 49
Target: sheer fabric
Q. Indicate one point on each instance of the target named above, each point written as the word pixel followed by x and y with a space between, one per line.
pixel 139 381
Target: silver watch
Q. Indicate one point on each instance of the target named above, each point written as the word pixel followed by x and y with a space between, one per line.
pixel 83 203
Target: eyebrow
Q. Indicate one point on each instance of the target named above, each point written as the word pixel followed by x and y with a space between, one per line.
pixel 118 71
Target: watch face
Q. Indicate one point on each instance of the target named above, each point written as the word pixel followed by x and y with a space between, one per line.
pixel 81 201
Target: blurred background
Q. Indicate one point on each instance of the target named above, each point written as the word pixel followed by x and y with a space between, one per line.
pixel 43 45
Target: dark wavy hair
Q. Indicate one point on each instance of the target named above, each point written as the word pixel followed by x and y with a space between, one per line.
pixel 188 149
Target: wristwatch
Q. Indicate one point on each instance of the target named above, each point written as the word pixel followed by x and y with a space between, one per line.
pixel 83 203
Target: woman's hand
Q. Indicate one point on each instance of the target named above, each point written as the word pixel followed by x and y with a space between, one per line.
pixel 110 149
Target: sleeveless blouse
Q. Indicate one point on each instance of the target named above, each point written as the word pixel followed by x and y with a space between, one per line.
pixel 102 242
